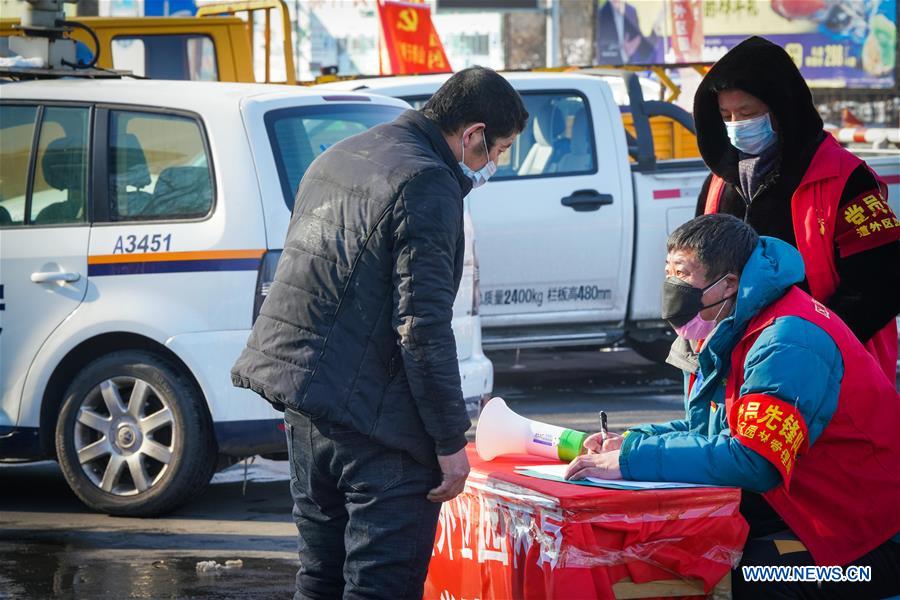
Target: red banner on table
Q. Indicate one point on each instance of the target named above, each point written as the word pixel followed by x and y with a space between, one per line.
pixel 687 30
pixel 410 40
pixel 511 536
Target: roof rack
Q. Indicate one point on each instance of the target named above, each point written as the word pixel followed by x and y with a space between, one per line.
pixel 34 73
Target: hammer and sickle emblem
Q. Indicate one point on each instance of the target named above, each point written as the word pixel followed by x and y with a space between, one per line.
pixel 408 20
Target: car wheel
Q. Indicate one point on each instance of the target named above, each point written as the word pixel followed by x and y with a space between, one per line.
pixel 134 437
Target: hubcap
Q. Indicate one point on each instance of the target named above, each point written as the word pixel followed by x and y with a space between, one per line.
pixel 126 436
pixel 125 447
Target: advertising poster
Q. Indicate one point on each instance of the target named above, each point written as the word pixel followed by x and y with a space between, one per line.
pixel 630 32
pixel 836 43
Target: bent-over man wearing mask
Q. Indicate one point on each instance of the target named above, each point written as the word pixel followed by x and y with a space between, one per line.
pixel 354 340
pixel 786 404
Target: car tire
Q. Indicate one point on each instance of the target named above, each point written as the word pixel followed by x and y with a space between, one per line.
pixel 134 437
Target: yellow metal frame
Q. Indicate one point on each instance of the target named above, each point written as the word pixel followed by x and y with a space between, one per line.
pixel 251 7
pixel 661 71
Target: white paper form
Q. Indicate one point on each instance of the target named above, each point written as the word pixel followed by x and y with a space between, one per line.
pixel 557 473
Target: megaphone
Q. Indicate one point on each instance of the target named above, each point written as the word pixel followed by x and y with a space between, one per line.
pixel 501 431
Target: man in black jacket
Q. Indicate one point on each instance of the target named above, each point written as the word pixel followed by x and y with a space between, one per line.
pixel 354 339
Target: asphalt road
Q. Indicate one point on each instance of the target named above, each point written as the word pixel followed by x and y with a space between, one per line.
pixel 51 546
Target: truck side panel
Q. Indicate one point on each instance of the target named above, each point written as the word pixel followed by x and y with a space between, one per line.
pixel 666 198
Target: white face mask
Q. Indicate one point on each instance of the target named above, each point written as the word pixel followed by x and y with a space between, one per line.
pixel 481 176
pixel 751 136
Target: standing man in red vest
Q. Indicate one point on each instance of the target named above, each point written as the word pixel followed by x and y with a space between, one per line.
pixel 775 167
pixel 786 404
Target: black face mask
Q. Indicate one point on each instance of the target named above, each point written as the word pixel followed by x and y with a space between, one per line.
pixel 681 301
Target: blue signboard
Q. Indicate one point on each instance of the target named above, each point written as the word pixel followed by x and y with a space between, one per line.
pixel 169 8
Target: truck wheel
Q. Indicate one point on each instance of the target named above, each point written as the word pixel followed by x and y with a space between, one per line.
pixel 133 437
pixel 656 350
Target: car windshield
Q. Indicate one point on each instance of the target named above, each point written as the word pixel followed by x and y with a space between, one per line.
pixel 298 135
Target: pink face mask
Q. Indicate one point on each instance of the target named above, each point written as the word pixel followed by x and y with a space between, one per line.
pixel 699 328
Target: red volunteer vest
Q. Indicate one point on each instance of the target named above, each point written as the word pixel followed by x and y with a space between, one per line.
pixel 841 496
pixel 814 208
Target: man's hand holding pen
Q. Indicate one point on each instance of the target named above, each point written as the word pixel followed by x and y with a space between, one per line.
pixel 602 457
pixel 603 442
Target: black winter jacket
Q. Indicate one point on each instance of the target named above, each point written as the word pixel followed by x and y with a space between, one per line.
pixel 356 328
pixel 864 299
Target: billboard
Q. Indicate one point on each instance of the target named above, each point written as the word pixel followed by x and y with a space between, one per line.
pixel 630 32
pixel 835 43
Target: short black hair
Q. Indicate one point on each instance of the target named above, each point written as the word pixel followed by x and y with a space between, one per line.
pixel 723 243
pixel 478 95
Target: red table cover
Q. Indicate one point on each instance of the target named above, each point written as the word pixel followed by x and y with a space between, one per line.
pixel 512 536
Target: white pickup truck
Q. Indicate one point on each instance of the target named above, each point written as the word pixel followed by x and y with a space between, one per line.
pixel 571 231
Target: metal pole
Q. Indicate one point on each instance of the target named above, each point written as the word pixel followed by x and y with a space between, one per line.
pixel 552 11
pixel 268 44
pixel 380 38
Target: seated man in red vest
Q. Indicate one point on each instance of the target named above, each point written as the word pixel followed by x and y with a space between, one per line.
pixel 787 404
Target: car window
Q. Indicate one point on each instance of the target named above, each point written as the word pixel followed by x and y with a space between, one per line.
pixel 158 167
pixel 298 135
pixel 557 140
pixel 17 125
pixel 59 188
pixel 185 57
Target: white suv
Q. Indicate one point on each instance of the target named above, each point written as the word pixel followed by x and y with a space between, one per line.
pixel 140 226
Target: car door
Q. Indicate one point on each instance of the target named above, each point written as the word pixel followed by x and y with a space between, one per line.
pixel 44 233
pixel 552 226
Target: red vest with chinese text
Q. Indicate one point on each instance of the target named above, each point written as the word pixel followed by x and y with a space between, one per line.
pixel 841 496
pixel 814 209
